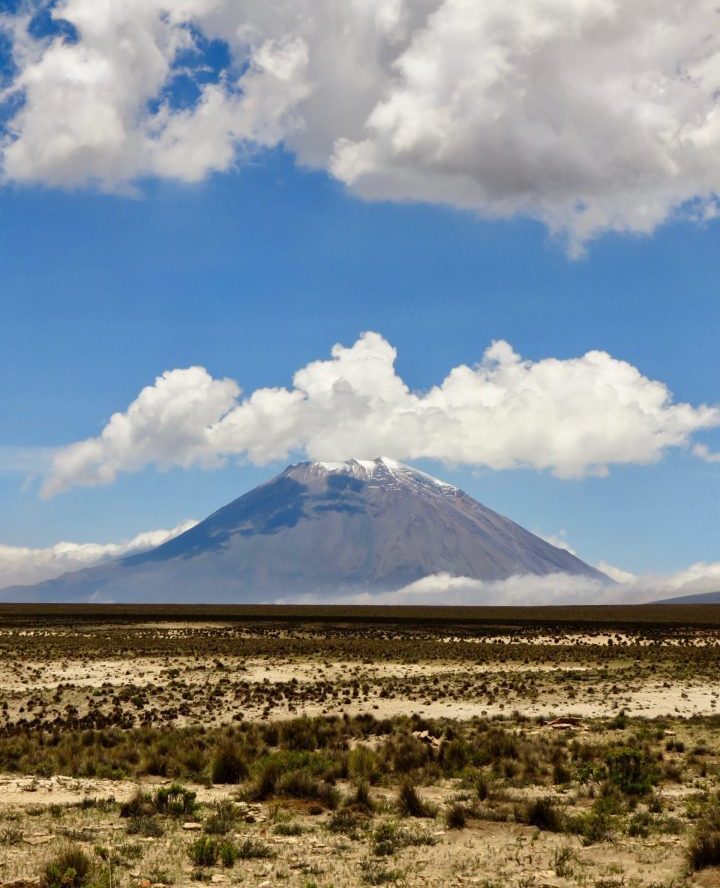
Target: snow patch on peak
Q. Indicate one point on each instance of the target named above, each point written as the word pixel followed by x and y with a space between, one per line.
pixel 380 470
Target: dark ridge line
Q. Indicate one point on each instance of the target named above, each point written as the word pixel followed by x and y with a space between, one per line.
pixel 546 616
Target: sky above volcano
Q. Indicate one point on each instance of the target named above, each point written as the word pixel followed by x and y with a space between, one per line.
pixel 478 240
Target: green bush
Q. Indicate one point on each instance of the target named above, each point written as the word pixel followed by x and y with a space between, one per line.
pixel 175 800
pixel 70 868
pixel 629 770
pixel 228 764
pixel 204 851
pixel 290 829
pixel 228 854
pixel 222 819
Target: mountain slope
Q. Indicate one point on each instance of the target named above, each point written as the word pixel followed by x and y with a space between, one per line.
pixel 323 528
pixel 696 598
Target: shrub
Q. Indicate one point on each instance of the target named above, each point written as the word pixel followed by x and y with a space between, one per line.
pixel 254 849
pixel 629 770
pixel 150 827
pixel 543 814
pixel 204 851
pixel 363 763
pixel 228 764
pixel 409 754
pixel 388 838
pixel 222 819
pixel 456 816
pixel 228 854
pixel 409 802
pixel 175 800
pixel 640 824
pixel 302 784
pixel 290 829
pixel 71 868
pixel 347 822
pixel 704 848
pixel 139 805
pixel 361 797
pixel 597 826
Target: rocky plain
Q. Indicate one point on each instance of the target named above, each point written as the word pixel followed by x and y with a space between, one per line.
pixel 319 748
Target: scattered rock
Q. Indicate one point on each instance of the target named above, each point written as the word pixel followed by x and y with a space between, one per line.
pixel 565 724
pixel 192 826
pixel 427 738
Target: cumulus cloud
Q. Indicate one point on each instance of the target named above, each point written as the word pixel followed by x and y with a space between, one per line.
pixel 558 589
pixel 589 116
pixel 21 565
pixel 572 417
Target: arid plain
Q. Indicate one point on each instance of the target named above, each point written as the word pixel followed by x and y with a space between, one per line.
pixel 313 747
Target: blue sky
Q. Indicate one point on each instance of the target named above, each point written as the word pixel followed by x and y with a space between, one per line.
pixel 257 269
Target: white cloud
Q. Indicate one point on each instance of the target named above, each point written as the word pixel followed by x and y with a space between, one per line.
pixel 703 452
pixel 21 565
pixel 87 116
pixel 615 573
pixel 527 590
pixel 589 115
pixel 573 417
pixel 610 570
pixel 558 540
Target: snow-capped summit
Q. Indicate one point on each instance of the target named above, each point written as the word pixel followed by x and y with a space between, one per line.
pixel 324 528
pixel 383 471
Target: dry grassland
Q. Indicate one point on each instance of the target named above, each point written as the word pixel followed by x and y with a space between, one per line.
pixel 311 748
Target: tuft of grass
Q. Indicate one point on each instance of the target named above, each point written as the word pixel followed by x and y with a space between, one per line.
pixel 704 848
pixel 348 822
pixel 361 797
pixel 254 849
pixel 409 802
pixel 286 828
pixel 149 827
pixel 372 872
pixel 456 816
pixel 388 838
pixel 543 814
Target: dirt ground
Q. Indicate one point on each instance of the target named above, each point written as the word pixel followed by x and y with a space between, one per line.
pixel 651 689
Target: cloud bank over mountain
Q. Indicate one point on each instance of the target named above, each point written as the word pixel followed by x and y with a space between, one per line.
pixel 573 417
pixel 589 116
pixel 698 579
pixel 23 565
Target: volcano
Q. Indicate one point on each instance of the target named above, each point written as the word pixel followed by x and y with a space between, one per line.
pixel 322 529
